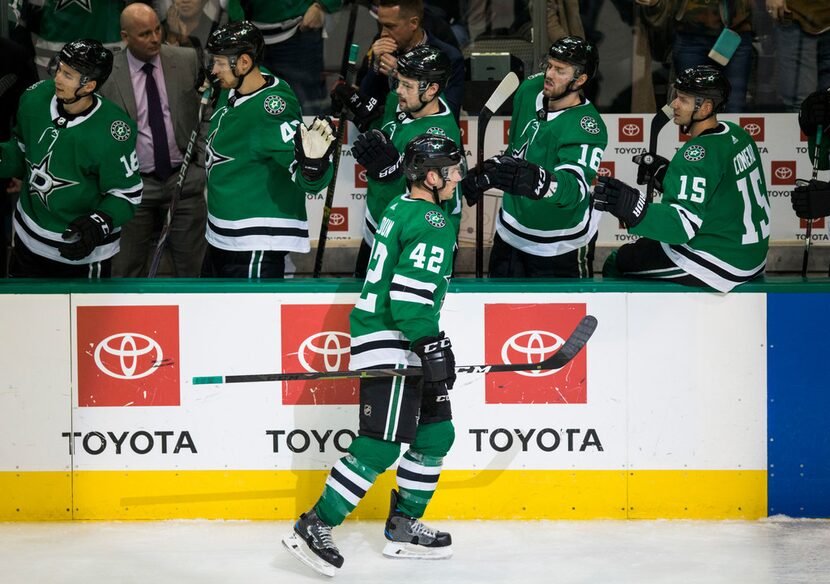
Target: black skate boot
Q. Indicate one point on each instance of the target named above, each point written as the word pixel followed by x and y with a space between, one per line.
pixel 316 535
pixel 409 538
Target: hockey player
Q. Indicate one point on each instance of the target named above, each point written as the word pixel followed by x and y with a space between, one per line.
pixel 77 154
pixel 260 160
pixel 415 106
pixel 545 227
pixel 811 199
pixel 395 324
pixel 712 226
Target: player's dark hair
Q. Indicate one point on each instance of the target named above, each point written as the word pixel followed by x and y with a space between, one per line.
pixel 409 8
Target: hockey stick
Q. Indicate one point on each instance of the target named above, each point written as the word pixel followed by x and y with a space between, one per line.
pixel 174 201
pixel 562 357
pixel 816 152
pixel 504 90
pixel 347 73
pixel 657 123
pixel 6 83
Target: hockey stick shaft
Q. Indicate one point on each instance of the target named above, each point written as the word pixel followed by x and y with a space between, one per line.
pixel 6 83
pixel 502 93
pixel 347 73
pixel 579 337
pixel 808 240
pixel 177 194
pixel 658 122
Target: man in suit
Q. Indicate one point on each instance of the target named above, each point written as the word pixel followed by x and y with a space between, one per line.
pixel 156 85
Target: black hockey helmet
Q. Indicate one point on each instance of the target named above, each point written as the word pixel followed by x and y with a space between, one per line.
pixel 578 52
pixel 706 82
pixel 235 39
pixel 89 58
pixel 426 64
pixel 432 152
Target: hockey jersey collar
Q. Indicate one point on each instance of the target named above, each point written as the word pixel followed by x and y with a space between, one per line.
pixel 235 99
pixel 406 117
pixel 61 121
pixel 547 116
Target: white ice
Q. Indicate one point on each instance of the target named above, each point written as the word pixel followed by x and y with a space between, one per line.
pixel 774 551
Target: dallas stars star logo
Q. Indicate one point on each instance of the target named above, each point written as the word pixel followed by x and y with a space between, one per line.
pixel 212 157
pixel 43 182
pixel 84 4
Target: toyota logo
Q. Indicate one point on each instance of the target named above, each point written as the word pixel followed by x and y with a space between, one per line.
pixel 362 175
pixel 604 171
pixel 753 129
pixel 534 347
pixel 631 129
pixel 783 172
pixel 337 219
pixel 332 345
pixel 129 348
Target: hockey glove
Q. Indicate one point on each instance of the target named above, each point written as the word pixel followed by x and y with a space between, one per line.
pixel 651 168
pixel 811 200
pixel 86 232
pixel 378 155
pixel 437 361
pixel 517 176
pixel 362 111
pixel 815 112
pixel 314 147
pixel 619 199
pixel 473 186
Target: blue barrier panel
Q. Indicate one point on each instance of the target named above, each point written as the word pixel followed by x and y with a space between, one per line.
pixel 798 369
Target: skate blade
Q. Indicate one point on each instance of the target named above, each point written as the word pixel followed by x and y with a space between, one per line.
pixel 416 552
pixel 297 547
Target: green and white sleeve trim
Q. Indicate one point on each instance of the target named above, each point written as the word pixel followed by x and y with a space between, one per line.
pixel 258 233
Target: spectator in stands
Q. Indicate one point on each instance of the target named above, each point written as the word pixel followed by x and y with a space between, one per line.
pixel 802 38
pixel 156 85
pixel 187 24
pixel 563 19
pixel 293 33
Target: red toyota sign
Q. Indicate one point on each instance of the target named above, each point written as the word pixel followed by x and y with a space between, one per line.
pixel 607 169
pixel 782 172
pixel 360 177
pixel 754 127
pixel 339 219
pixel 630 129
pixel 530 333
pixel 506 132
pixel 464 126
pixel 817 223
pixel 315 337
pixel 128 356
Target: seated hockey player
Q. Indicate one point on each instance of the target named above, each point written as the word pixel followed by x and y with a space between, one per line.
pixel 395 324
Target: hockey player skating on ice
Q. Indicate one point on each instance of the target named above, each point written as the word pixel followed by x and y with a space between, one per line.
pixel 413 107
pixel 395 324
pixel 260 161
pixel 77 154
pixel 712 226
pixel 546 227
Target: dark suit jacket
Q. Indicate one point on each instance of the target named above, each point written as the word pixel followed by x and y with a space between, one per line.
pixel 181 67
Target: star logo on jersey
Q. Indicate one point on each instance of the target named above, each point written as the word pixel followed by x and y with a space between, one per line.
pixel 694 153
pixel 589 124
pixel 274 105
pixel 84 4
pixel 212 157
pixel 43 182
pixel 435 218
pixel 120 130
pixel 436 131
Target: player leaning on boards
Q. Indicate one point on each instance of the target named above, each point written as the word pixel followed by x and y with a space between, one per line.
pixel 260 161
pixel 77 154
pixel 712 226
pixel 395 324
pixel 546 227
pixel 413 107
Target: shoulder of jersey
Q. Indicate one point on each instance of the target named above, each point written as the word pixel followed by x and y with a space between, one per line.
pixel 693 151
pixel 588 119
pixel 40 90
pixel 278 99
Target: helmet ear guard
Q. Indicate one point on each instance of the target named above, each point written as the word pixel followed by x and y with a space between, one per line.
pixel 232 41
pixel 432 152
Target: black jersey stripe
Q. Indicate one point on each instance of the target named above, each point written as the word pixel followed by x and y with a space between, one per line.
pixel 382 344
pixel 342 480
pixel 114 236
pixel 715 269
pixel 416 477
pixel 541 239
pixel 425 294
pixel 260 230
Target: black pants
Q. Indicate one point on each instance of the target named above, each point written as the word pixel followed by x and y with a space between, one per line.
pixel 508 262
pixel 27 264
pixel 220 263
pixel 646 259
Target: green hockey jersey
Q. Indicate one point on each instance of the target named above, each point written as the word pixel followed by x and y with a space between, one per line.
pixel 714 218
pixel 256 195
pixel 71 167
pixel 401 127
pixel 277 19
pixel 569 144
pixel 405 285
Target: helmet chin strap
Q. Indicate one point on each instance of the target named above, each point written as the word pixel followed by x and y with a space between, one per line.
pixel 240 79
pixel 78 96
pixel 687 128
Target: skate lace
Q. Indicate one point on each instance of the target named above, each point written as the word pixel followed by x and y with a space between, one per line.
pixel 419 528
pixel 323 534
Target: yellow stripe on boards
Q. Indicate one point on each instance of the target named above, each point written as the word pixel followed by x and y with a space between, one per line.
pixel 283 495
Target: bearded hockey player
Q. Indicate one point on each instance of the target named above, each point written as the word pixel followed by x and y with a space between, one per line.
pixel 712 226
pixel 77 154
pixel 395 324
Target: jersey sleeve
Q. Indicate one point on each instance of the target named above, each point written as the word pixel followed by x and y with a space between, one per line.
pixel 690 180
pixel 577 166
pixel 12 157
pixel 420 278
pixel 119 181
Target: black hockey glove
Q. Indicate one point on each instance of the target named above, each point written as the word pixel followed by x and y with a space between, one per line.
pixel 378 155
pixel 517 176
pixel 473 186
pixel 437 361
pixel 313 146
pixel 362 111
pixel 651 168
pixel 815 112
pixel 87 232
pixel 619 199
pixel 811 200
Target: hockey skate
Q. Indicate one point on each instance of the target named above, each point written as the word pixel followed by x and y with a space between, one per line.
pixel 312 544
pixel 409 538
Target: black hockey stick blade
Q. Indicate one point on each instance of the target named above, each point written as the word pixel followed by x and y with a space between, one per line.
pixel 570 349
pixel 657 123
